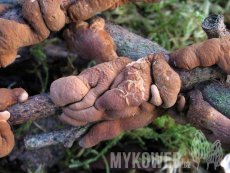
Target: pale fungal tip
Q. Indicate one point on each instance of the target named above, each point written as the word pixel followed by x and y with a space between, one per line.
pixel 23 97
pixel 156 98
pixel 5 115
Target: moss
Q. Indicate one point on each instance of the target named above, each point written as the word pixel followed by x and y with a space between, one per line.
pixel 218 96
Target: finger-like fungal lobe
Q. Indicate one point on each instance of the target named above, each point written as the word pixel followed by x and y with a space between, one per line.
pixel 54 17
pixel 156 97
pixel 210 52
pixel 91 41
pixel 34 25
pixel 180 103
pixel 4 7
pixel 122 2
pixel 6 135
pixel 9 97
pixel 82 10
pixel 166 80
pixel 130 88
pixel 85 88
pixel 110 129
pixel 17 33
pixel 203 116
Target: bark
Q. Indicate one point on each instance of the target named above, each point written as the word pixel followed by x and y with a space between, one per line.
pixel 214 26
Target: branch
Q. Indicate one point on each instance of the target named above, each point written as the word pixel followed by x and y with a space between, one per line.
pixel 41 106
pixel 214 26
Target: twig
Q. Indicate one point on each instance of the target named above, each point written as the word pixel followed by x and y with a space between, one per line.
pixel 36 107
pixel 214 26
pixel 66 136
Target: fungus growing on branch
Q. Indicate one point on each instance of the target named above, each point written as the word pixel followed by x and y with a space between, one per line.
pixel 33 22
pixel 6 135
pixel 210 52
pixel 9 97
pixel 166 79
pixel 118 95
pixel 54 17
pixel 90 84
pixel 91 41
pixel 14 35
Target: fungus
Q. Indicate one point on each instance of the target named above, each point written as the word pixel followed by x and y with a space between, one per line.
pixel 14 34
pixel 166 79
pixel 212 123
pixel 87 86
pixel 118 95
pixel 4 7
pixel 18 32
pixel 156 98
pixel 91 41
pixel 6 135
pixel 110 129
pixel 9 97
pixel 210 52
pixel 130 88
pixel 54 17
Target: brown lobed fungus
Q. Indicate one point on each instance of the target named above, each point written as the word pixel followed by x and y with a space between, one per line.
pixel 210 52
pixel 9 97
pixel 91 41
pixel 118 95
pixel 6 135
pixel 37 18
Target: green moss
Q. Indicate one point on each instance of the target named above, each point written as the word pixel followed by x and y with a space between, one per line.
pixel 219 97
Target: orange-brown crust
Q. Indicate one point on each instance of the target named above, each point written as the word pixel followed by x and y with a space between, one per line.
pixel 91 41
pixel 6 135
pixel 74 88
pixel 54 17
pixel 210 52
pixel 4 7
pixel 166 79
pixel 9 97
pixel 82 10
pixel 131 88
